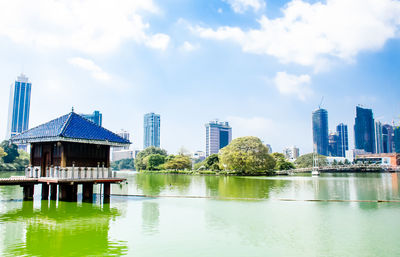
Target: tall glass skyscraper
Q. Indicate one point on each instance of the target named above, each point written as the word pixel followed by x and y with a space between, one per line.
pixel 151 130
pixel 96 117
pixel 19 106
pixel 343 139
pixel 387 138
pixel 218 135
pixel 364 130
pixel 378 142
pixel 396 139
pixel 320 131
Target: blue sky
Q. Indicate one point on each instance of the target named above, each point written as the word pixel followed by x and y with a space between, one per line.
pixel 261 65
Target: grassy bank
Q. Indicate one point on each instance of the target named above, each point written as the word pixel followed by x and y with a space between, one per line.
pixel 208 172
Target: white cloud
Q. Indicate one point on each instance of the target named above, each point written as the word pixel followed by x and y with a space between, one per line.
pixel 92 26
pixel 188 47
pixel 88 65
pixel 316 34
pixel 293 85
pixel 240 6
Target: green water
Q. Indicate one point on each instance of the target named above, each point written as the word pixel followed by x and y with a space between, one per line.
pixel 211 216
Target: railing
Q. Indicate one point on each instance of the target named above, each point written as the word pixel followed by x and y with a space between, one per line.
pixel 70 172
pixel 350 167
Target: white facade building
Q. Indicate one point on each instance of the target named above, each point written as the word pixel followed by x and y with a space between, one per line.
pixel 291 153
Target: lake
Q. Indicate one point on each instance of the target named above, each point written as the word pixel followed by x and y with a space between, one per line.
pixel 185 215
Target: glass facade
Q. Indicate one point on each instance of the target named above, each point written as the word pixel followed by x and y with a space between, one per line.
pixel 19 106
pixel 96 117
pixel 320 131
pixel 378 142
pixel 151 127
pixel 218 135
pixel 364 130
pixel 397 139
pixel 387 138
pixel 343 139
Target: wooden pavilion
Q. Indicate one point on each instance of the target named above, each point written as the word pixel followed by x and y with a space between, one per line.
pixel 67 151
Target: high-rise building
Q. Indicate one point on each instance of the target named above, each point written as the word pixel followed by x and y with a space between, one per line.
pixel 397 139
pixel 387 138
pixel 19 106
pixel 151 130
pixel 291 153
pixel 125 135
pixel 269 148
pixel 364 130
pixel 96 117
pixel 378 142
pixel 218 135
pixel 343 139
pixel 333 140
pixel 320 131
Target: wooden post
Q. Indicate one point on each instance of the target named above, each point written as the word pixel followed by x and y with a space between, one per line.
pixel 87 192
pixel 28 192
pixel 106 194
pixel 45 191
pixel 68 192
pixel 53 191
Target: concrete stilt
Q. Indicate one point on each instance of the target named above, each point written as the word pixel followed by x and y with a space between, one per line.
pixel 53 191
pixel 87 192
pixel 28 192
pixel 45 191
pixel 107 192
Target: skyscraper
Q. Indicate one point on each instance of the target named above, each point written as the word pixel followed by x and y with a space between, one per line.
pixel 343 139
pixel 333 144
pixel 151 130
pixel 291 153
pixel 378 142
pixel 19 106
pixel 96 117
pixel 387 138
pixel 218 135
pixel 364 131
pixel 396 139
pixel 320 131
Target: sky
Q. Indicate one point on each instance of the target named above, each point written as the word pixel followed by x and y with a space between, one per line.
pixel 263 66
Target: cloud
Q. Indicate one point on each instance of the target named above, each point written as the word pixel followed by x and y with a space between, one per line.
pixel 293 85
pixel 241 6
pixel 188 47
pixel 317 34
pixel 91 26
pixel 88 65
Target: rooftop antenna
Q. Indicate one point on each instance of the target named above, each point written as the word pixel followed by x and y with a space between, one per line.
pixel 72 110
pixel 322 100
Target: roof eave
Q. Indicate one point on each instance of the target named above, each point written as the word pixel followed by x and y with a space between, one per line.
pixel 66 139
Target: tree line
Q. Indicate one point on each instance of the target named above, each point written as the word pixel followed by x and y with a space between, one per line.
pixel 11 158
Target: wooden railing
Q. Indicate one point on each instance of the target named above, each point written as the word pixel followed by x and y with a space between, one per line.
pixel 70 172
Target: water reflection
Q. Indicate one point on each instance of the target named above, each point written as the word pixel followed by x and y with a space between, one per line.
pixel 150 217
pixel 63 228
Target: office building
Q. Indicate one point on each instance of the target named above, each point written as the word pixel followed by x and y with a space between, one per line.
pixel 96 117
pixel 343 139
pixel 388 138
pixel 364 130
pixel 291 153
pixel 122 154
pixel 125 135
pixel 19 106
pixel 151 130
pixel 218 135
pixel 396 139
pixel 269 148
pixel 378 142
pixel 320 131
pixel 333 147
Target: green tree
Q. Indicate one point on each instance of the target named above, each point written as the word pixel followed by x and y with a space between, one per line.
pixel 346 162
pixel 212 162
pixel 246 155
pixel 2 153
pixel 179 162
pixel 11 150
pixel 124 164
pixel 140 164
pixel 153 161
pixel 281 163
pixel 306 161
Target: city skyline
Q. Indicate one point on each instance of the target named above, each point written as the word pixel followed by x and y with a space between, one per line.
pixel 195 61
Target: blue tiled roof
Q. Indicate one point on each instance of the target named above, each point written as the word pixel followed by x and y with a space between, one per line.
pixel 71 126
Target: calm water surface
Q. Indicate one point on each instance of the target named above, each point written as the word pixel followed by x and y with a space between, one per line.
pixel 211 216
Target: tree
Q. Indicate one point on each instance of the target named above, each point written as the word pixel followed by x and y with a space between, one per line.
pixel 346 162
pixel 246 155
pixel 140 164
pixel 11 150
pixel 179 162
pixel 153 161
pixel 212 162
pixel 124 164
pixel 2 152
pixel 306 161
pixel 281 163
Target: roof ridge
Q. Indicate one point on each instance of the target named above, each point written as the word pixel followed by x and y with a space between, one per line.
pixel 65 124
